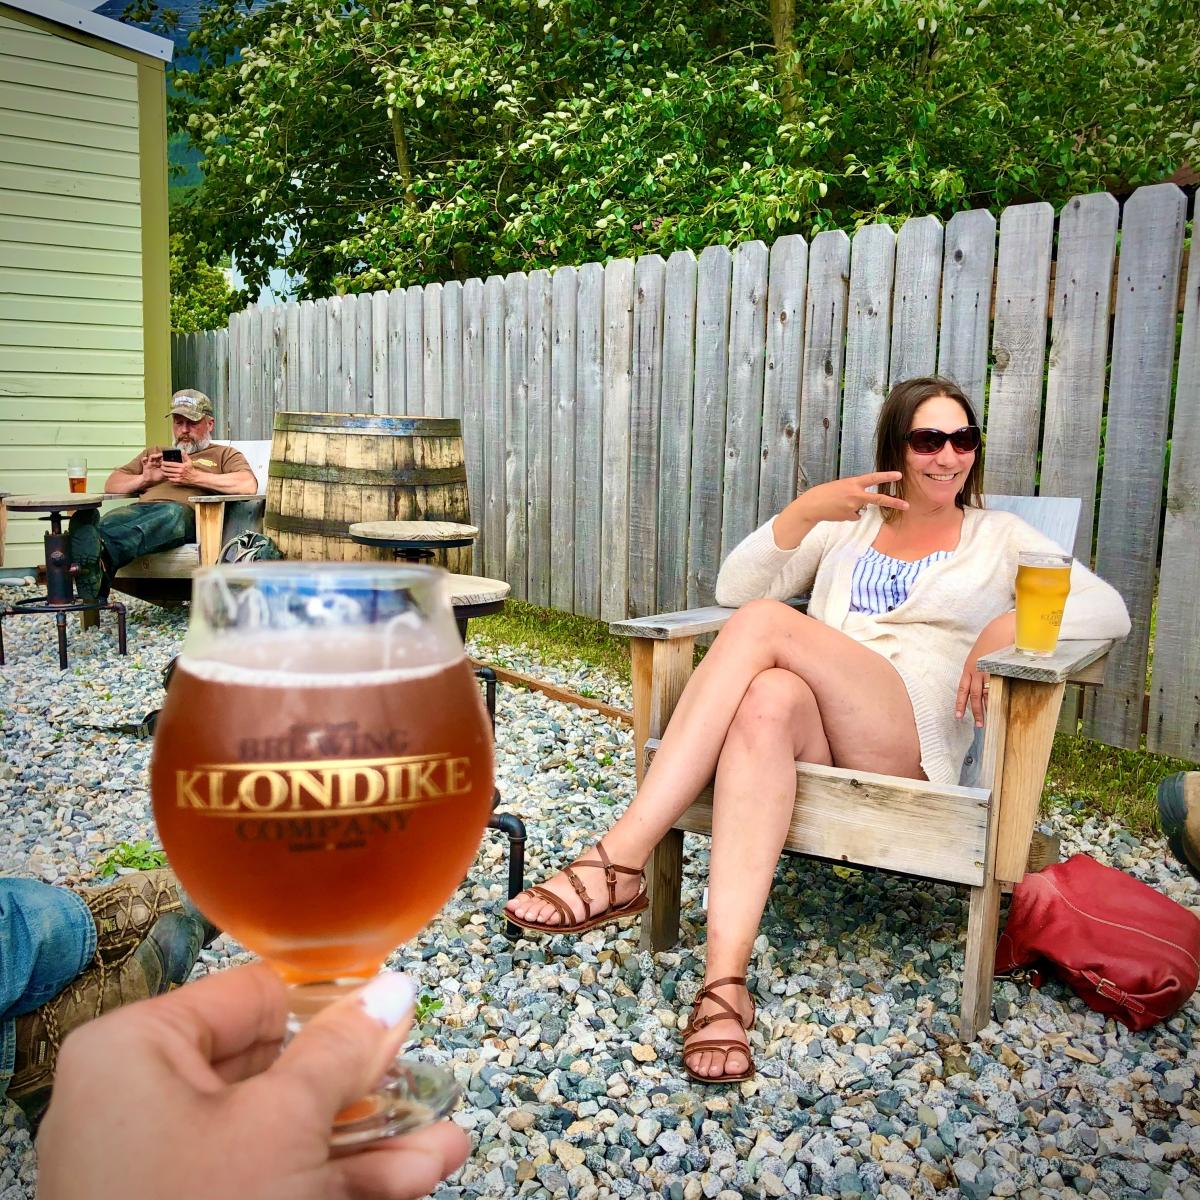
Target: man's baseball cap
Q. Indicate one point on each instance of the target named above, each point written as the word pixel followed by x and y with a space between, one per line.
pixel 190 404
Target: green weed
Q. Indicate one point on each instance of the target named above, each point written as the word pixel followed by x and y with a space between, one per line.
pixel 140 856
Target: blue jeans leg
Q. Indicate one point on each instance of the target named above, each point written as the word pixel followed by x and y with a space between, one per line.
pixel 47 937
pixel 138 529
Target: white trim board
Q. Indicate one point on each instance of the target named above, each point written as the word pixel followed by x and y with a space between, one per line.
pixel 105 28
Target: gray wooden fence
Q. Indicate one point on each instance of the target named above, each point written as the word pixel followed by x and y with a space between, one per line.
pixel 627 423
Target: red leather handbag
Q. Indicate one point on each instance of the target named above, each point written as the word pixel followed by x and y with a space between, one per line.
pixel 1127 950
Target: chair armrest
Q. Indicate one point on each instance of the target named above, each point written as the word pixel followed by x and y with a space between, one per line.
pixel 1071 662
pixel 666 627
pixel 224 497
pixel 212 528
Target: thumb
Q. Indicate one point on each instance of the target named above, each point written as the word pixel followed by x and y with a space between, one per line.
pixel 343 1051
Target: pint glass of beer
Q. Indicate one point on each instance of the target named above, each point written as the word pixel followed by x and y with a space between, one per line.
pixel 1043 581
pixel 77 475
pixel 321 777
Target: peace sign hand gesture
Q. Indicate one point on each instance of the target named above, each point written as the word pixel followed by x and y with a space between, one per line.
pixel 844 499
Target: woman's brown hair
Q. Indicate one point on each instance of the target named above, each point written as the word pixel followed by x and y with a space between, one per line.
pixel 895 420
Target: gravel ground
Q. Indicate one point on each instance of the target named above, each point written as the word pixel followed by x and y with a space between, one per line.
pixel 569 1049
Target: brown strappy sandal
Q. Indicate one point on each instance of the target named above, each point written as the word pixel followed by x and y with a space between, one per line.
pixel 567 922
pixel 697 1023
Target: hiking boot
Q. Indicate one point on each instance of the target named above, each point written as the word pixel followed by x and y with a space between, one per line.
pixel 86 550
pixel 162 961
pixel 1179 815
pixel 125 909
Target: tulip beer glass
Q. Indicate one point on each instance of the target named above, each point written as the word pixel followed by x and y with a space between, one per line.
pixel 321 777
pixel 1043 581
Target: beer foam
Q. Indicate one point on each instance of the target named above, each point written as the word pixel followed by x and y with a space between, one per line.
pixel 347 660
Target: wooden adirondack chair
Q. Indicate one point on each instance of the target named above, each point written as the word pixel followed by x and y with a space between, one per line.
pixel 976 834
pixel 166 577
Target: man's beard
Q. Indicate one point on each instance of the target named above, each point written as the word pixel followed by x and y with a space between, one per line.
pixel 189 446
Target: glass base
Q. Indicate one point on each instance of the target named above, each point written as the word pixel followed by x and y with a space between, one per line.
pixel 411 1094
pixel 1035 653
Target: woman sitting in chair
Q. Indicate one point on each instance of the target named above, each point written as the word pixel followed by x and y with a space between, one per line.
pixel 910 585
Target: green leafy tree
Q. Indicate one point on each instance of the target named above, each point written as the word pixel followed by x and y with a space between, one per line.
pixel 371 143
pixel 201 297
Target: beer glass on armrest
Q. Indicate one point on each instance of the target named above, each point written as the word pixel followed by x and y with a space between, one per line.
pixel 321 778
pixel 1043 582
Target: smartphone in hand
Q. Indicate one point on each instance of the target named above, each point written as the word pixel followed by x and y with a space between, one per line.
pixel 172 454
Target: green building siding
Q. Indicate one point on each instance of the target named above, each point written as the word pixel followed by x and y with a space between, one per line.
pixel 72 372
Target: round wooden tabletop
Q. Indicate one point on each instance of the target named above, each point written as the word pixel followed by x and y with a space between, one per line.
pixel 475 589
pixel 413 535
pixel 48 504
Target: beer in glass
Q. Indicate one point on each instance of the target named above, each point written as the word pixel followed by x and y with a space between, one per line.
pixel 321 777
pixel 77 475
pixel 1043 581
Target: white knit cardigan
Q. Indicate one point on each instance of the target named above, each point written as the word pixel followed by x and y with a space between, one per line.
pixel 928 637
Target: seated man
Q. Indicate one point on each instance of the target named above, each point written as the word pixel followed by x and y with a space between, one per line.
pixel 162 518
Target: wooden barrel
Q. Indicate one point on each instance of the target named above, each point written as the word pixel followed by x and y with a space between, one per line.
pixel 331 470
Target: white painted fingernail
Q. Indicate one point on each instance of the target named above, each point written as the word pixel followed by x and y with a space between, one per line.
pixel 389 998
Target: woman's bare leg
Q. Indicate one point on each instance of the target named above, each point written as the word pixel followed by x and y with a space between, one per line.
pixel 777 723
pixel 865 712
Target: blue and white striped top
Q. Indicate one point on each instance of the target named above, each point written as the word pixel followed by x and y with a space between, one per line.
pixel 881 583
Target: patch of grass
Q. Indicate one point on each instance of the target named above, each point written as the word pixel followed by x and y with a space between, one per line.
pixel 556 637
pixel 1091 777
pixel 140 855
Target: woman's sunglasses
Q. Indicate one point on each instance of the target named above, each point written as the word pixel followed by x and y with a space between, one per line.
pixel 930 441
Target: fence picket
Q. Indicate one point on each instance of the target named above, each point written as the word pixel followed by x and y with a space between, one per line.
pixel 564 286
pixel 1087 233
pixel 472 404
pixel 334 382
pixel 1139 397
pixel 221 391
pixel 868 330
pixel 306 349
pixel 589 435
pixel 380 400
pixel 295 365
pixel 675 423
pixel 824 344
pixel 264 393
pixel 1174 725
pixel 788 281
pixel 284 367
pixel 396 350
pixel 516 432
pixel 644 405
pixel 348 401
pixel 915 299
pixel 537 421
pixel 714 279
pixel 493 439
pixel 618 388
pixel 414 350
pixel 744 393
pixel 452 349
pixel 1018 349
pixel 970 255
pixel 431 348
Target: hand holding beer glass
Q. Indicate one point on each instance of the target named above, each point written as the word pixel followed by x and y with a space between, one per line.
pixel 321 778
pixel 1043 582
